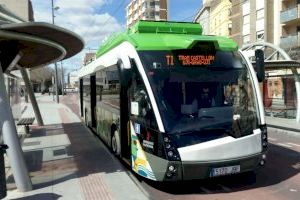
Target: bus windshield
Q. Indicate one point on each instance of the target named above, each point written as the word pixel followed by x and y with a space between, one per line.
pixel 202 95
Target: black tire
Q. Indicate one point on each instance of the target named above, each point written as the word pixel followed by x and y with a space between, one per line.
pixel 115 146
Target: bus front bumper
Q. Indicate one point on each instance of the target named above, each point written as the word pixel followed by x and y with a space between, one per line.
pixel 193 170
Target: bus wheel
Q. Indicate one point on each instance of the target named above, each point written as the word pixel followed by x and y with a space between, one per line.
pixel 115 143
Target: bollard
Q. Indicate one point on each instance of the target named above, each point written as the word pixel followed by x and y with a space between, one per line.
pixel 3 148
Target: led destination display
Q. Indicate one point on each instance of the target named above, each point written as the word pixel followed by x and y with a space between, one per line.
pixel 191 60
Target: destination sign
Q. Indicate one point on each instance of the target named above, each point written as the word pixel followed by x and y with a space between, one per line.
pixel 191 60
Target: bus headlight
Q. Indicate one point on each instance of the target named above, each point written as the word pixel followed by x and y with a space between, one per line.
pixel 171 168
pixel 166 139
pixel 170 153
pixel 172 171
pixel 170 149
pixel 265 144
pixel 264 136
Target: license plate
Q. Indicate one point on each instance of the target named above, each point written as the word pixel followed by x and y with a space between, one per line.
pixel 221 171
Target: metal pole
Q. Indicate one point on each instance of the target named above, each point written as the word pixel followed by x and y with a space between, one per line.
pixel 32 97
pixel 26 95
pixel 8 89
pixel 56 83
pixel 56 73
pixel 53 82
pixel 10 137
pixel 62 78
pixel 297 84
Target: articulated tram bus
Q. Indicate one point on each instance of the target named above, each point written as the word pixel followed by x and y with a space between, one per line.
pixel 176 104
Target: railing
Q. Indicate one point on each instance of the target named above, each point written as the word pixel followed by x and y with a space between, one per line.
pixel 288 15
pixel 289 41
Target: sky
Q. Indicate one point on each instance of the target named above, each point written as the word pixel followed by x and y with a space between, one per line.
pixel 95 20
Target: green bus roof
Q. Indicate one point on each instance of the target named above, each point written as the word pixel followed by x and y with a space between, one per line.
pixel 153 35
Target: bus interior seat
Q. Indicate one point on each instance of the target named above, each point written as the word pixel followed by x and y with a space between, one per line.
pixel 189 109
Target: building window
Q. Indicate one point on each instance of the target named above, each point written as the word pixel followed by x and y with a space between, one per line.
pixel 260 14
pixel 156 13
pixel 260 4
pixel 260 35
pixel 246 39
pixel 246 8
pixel 246 19
pixel 152 14
pixel 145 5
pixel 152 4
pixel 260 24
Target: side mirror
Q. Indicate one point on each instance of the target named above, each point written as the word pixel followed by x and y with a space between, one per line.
pixel 260 65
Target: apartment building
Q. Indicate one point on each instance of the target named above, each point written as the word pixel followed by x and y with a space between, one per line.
pixel 156 10
pixel 255 20
pixel 88 58
pixel 21 8
pixel 220 22
pixel 73 79
pixel 290 21
pixel 214 16
pixel 203 15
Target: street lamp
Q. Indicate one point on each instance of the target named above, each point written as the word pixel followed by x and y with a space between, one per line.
pixel 56 73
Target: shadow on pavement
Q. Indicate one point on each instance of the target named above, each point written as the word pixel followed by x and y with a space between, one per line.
pixel 85 155
pixel 44 196
pixel 282 164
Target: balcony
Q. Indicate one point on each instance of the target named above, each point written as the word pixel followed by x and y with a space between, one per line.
pixel 157 8
pixel 290 41
pixel 289 15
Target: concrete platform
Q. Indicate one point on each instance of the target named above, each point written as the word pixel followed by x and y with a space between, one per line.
pixel 289 125
pixel 66 161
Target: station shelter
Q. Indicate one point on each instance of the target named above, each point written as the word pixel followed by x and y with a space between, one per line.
pixel 281 87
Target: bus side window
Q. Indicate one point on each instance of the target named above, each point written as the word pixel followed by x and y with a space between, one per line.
pixel 99 86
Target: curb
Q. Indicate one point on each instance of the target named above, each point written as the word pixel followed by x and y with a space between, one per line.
pixel 284 128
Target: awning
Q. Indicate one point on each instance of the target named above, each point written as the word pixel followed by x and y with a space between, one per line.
pixel 39 43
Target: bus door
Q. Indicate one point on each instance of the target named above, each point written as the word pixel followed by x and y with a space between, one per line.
pixel 142 117
pixel 81 96
pixel 93 100
pixel 124 123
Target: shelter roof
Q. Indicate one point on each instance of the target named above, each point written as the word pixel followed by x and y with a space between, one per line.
pixel 39 44
pixel 280 64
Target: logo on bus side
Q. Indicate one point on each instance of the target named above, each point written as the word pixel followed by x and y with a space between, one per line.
pixel 148 144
